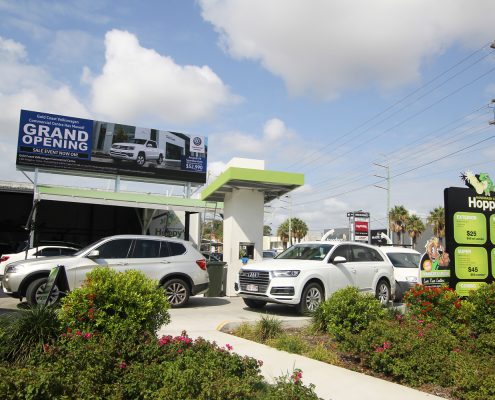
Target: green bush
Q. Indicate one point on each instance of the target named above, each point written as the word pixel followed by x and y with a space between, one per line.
pixel 483 315
pixel 347 312
pixel 289 343
pixel 440 304
pixel 26 332
pixel 408 349
pixel 291 388
pixel 474 376
pixel 267 328
pixel 117 303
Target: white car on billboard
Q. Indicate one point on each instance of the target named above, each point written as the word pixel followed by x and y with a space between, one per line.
pixel 138 150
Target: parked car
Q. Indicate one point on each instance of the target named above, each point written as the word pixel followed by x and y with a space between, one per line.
pixel 177 266
pixel 138 150
pixel 267 254
pixel 406 268
pixel 35 252
pixel 307 273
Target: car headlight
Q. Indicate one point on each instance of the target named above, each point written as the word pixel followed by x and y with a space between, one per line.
pixel 411 278
pixel 292 273
pixel 10 269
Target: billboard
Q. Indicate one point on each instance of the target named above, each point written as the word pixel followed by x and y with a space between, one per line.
pixel 359 226
pixel 71 145
pixel 470 232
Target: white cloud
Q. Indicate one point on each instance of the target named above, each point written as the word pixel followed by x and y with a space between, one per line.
pixel 139 81
pixel 274 130
pixel 333 46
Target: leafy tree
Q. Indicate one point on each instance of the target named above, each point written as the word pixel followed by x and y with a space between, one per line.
pixel 267 230
pixel 414 227
pixel 437 220
pixel 119 136
pixel 214 230
pixel 298 227
pixel 398 216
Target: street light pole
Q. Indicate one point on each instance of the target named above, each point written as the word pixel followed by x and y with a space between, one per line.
pixel 290 221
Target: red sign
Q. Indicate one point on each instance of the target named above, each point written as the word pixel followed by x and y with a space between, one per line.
pixel 361 226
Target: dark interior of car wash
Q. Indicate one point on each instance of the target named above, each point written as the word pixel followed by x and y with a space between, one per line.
pixel 57 221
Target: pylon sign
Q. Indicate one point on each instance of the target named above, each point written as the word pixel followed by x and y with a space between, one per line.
pixel 359 226
pixel 470 232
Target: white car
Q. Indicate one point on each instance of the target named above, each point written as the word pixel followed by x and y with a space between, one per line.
pixel 177 266
pixel 307 273
pixel 138 150
pixel 406 268
pixel 35 252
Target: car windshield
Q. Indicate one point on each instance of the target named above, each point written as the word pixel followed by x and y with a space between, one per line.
pixel 138 141
pixel 404 260
pixel 306 252
pixel 268 254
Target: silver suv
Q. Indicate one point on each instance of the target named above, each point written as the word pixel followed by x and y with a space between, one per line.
pixel 178 267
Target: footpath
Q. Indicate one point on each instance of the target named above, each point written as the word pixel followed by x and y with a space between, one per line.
pixel 206 317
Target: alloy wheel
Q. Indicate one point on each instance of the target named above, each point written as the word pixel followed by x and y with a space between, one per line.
pixel 313 299
pixel 176 293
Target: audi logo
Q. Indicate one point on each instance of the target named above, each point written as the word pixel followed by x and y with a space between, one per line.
pixel 252 274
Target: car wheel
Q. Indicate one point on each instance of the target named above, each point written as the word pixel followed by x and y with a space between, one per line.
pixel 141 159
pixel 35 290
pixel 177 292
pixel 254 303
pixel 160 159
pixel 383 291
pixel 311 298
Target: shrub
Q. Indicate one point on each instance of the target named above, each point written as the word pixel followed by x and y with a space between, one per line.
pixel 410 350
pixel 348 312
pixel 483 316
pixel 26 332
pixel 438 304
pixel 473 377
pixel 267 328
pixel 117 303
pixel 321 353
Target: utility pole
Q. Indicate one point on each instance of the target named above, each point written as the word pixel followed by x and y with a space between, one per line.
pixel 387 178
pixel 290 221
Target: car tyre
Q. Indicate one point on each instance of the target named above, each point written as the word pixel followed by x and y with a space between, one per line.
pixel 34 290
pixel 141 159
pixel 311 297
pixel 254 303
pixel 160 159
pixel 177 292
pixel 382 292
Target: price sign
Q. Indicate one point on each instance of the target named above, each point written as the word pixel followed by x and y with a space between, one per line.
pixel 469 228
pixel 471 262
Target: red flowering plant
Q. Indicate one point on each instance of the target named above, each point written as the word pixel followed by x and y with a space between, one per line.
pixel 441 304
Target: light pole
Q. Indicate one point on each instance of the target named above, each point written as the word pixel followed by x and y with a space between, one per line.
pixel 387 178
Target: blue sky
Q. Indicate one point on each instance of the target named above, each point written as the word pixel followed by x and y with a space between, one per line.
pixel 327 89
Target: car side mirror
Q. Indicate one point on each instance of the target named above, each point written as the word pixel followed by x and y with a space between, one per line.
pixel 94 254
pixel 339 260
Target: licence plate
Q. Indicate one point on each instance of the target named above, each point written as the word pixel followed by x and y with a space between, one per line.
pixel 252 288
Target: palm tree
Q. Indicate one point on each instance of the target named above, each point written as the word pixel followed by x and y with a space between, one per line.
pixel 267 230
pixel 437 220
pixel 398 216
pixel 414 227
pixel 283 232
pixel 299 229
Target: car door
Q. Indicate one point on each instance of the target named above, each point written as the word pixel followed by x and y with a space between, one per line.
pixel 146 257
pixel 113 253
pixel 364 263
pixel 339 275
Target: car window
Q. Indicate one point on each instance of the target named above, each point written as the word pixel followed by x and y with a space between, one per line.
pixel 67 252
pixel 146 249
pixel 48 252
pixel 306 251
pixel 164 250
pixel 176 249
pixel 118 248
pixel 364 254
pixel 268 254
pixel 341 251
pixel 404 260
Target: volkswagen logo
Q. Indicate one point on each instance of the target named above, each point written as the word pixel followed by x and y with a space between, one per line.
pixel 252 274
pixel 197 141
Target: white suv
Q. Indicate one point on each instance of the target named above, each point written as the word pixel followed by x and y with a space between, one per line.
pixel 307 273
pixel 138 150
pixel 178 267
pixel 406 268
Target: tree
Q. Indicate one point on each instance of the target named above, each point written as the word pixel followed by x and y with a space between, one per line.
pixel 298 228
pixel 267 230
pixel 437 220
pixel 119 136
pixel 214 230
pixel 398 216
pixel 414 227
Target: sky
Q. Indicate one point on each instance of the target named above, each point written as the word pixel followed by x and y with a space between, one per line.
pixel 343 91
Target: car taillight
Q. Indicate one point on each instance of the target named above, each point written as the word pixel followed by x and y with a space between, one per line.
pixel 201 264
pixel 4 258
